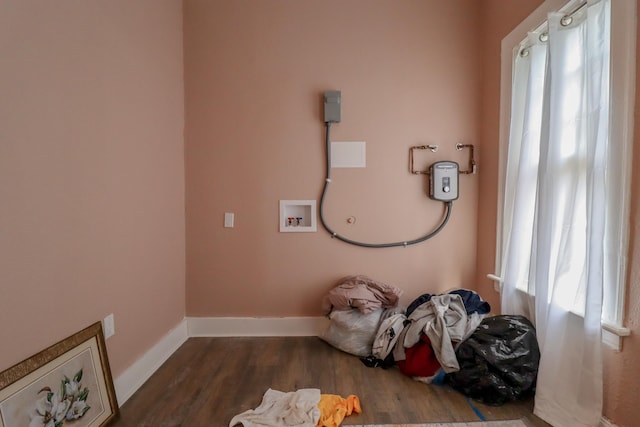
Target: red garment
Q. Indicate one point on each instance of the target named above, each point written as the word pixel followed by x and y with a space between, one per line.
pixel 420 359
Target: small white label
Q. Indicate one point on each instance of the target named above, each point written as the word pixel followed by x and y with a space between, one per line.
pixel 228 219
pixel 349 154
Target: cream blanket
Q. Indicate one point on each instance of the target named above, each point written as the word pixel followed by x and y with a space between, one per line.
pixel 278 409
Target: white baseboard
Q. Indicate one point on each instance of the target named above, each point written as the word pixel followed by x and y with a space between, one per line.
pixel 256 326
pixel 135 375
pixel 604 422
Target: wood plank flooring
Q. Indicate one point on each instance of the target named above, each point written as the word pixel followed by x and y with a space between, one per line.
pixel 208 381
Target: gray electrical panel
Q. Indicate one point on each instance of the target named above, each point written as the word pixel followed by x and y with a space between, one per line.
pixel 443 181
pixel 332 100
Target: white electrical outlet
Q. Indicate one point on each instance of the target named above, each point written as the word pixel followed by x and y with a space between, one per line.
pixel 109 327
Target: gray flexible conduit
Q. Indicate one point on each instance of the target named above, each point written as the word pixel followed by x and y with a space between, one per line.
pixel 368 245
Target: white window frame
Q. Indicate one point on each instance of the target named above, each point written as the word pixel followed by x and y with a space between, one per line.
pixel 623 78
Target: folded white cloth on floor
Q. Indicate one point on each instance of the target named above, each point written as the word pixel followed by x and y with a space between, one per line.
pixel 296 408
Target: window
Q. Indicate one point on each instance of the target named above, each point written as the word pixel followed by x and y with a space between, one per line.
pixel 523 119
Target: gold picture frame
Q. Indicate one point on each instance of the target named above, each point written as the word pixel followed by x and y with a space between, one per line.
pixel 66 385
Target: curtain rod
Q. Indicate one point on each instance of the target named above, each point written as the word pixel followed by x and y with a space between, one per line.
pixel 568 17
pixel 576 9
pixel 566 20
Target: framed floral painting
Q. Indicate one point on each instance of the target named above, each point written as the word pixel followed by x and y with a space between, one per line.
pixel 66 385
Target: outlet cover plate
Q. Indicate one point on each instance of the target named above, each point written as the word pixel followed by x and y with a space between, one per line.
pixel 229 219
pixel 108 324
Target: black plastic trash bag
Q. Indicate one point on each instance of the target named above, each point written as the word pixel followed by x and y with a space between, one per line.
pixel 498 362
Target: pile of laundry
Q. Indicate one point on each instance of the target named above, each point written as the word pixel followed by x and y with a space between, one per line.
pixel 357 307
pixel 366 321
pixel 442 338
pixel 302 408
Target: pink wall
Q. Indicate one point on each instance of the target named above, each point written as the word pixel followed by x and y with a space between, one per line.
pixel 92 177
pixel 621 369
pixel 255 73
pixel 91 173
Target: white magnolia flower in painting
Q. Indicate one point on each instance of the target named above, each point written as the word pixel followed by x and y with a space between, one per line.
pixel 54 408
pixel 77 410
pixel 50 411
pixel 71 388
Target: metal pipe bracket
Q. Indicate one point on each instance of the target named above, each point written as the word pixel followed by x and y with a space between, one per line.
pixel 432 148
pixel 472 163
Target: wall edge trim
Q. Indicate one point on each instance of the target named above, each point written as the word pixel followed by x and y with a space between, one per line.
pixel 127 383
pixel 256 326
pixel 605 422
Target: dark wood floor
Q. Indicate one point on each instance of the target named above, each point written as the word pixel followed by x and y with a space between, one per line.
pixel 210 380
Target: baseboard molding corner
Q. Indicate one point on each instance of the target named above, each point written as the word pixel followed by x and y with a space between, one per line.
pixel 605 422
pixel 256 326
pixel 135 375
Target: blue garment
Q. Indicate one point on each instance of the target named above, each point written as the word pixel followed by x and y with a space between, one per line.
pixel 417 303
pixel 472 301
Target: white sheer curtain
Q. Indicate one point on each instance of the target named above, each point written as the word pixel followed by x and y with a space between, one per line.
pixel 555 208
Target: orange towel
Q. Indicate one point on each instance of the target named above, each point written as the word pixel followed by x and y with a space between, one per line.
pixel 334 408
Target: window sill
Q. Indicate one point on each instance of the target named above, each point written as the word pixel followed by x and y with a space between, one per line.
pixel 611 334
